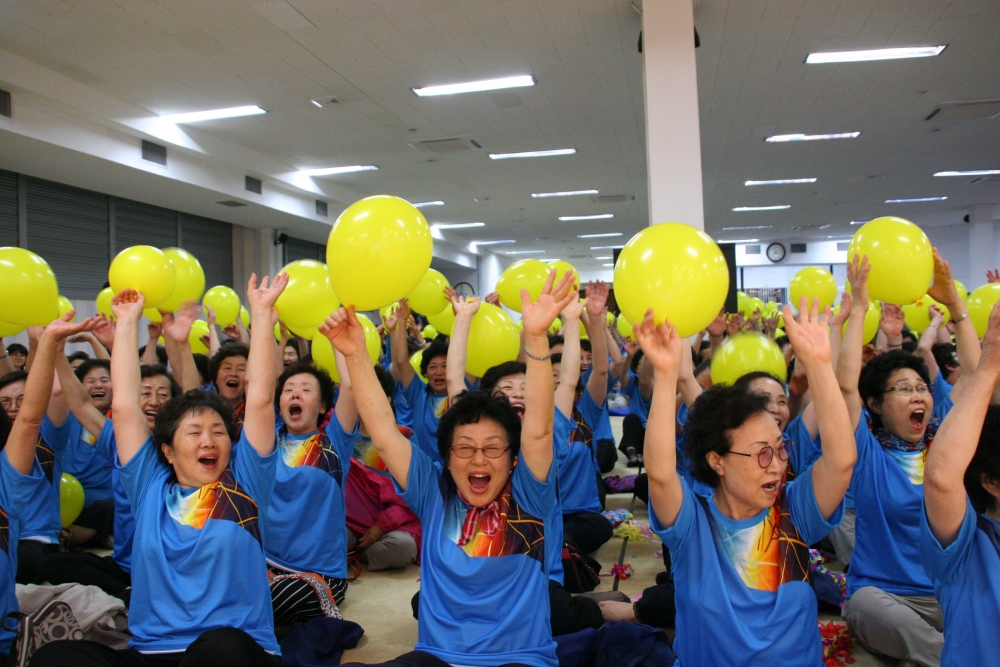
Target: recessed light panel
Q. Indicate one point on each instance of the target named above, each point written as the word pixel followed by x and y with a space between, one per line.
pixel 779 207
pixel 602 216
pixel 598 236
pixel 421 204
pixel 510 156
pixel 476 86
pixel 213 114
pixel 567 193
pixel 781 138
pixel 914 200
pixel 874 54
pixel 783 181
pixel 331 171
pixel 977 172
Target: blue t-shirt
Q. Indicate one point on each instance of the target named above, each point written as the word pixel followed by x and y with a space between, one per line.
pixel 888 488
pixel 966 578
pixel 426 409
pixel 15 491
pixel 107 449
pixel 637 405
pixel 40 518
pixel 941 391
pixel 576 460
pixel 743 595
pixel 199 563
pixel 484 603
pixel 307 521
pixel 79 458
pixel 602 429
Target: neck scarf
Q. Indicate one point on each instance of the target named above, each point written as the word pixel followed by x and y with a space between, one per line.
pixel 892 441
pixel 487 518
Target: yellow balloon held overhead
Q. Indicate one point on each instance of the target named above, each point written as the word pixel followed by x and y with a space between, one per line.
pixel 145 269
pixel 493 339
pixel 811 282
pixel 379 231
pixel 277 331
pixel 625 329
pixel 8 329
pixel 901 256
pixel 415 360
pixel 872 319
pixel 245 317
pixel 70 499
pixel 609 319
pixel 963 293
pixel 429 332
pixel 746 353
pixel 385 311
pixel 428 297
pixel 30 291
pixel 529 274
pixel 444 321
pixel 751 306
pixel 225 302
pixel 322 349
pixel 556 326
pixel 917 315
pixel 676 270
pixel 153 315
pixel 309 297
pixel 199 328
pixel 190 280
pixel 103 302
pixel 304 332
pixel 561 268
pixel 981 302
pixel 65 305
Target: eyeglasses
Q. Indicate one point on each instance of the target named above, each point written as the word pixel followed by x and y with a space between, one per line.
pixel 906 389
pixel 8 403
pixel 766 453
pixel 489 451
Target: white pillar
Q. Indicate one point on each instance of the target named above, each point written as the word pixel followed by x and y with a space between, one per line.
pixel 982 240
pixel 254 252
pixel 673 137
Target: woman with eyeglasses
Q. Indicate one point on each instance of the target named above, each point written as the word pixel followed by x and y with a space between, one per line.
pixel 891 608
pixel 740 555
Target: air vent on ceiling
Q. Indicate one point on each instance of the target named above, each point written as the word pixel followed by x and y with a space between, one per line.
pixel 254 185
pixel 321 208
pixel 154 152
pixel 446 145
pixel 957 112
pixel 4 103
pixel 612 199
pixel 842 246
pixel 326 101
pixel 751 250
pixel 231 203
pixel 798 248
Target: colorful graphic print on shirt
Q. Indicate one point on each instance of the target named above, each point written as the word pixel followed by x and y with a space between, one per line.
pixel 314 451
pixel 365 451
pixel 46 458
pixel 519 532
pixel 441 404
pixel 911 463
pixel 223 500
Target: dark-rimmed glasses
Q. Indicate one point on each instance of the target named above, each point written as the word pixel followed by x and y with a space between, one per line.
pixel 766 453
pixel 489 451
pixel 905 389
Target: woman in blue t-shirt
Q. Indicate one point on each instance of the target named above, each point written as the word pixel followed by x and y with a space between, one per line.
pixel 484 566
pixel 199 577
pixel 740 556
pixel 960 527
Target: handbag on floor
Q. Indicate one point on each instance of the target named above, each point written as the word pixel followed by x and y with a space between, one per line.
pixel 53 622
pixel 580 571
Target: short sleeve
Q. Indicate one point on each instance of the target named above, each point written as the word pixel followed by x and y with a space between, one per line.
pixel 422 481
pixel 57 437
pixel 865 441
pixel 805 450
pixel 940 389
pixel 412 393
pixel 16 488
pixel 589 409
pixel 342 441
pixel 139 472
pixel 804 510
pixel 538 498
pixel 254 472
pixel 943 564
pixel 676 535
pixel 562 432
pixel 105 446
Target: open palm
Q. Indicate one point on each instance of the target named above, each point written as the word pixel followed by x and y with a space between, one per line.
pixel 809 333
pixel 660 344
pixel 344 332
pixel 63 328
pixel 537 316
pixel 267 294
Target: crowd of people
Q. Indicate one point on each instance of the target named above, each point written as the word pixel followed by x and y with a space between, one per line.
pixel 237 490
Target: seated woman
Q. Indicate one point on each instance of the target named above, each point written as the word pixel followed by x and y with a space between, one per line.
pixel 740 556
pixel 199 579
pixel 485 515
pixel 960 525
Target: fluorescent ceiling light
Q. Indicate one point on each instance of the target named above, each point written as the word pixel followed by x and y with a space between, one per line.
pixel 607 264
pixel 874 54
pixel 733 229
pixel 548 259
pixel 739 241
pixel 330 171
pixel 858 222
pixel 602 216
pixel 778 138
pixel 784 181
pixel 976 172
pixel 604 258
pixel 317 103
pixel 779 207
pixel 568 193
pixel 525 252
pixel 476 86
pixel 458 225
pixel 606 247
pixel 839 236
pixel 917 199
pixel 493 242
pixel 509 156
pixel 598 236
pixel 214 114
pixel 421 204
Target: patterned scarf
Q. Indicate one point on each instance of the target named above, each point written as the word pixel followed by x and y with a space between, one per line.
pixel 239 414
pixel 487 518
pixel 894 442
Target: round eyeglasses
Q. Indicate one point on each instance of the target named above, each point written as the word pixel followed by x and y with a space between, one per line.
pixel 766 453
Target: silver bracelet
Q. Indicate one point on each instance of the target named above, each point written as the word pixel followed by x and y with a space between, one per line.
pixel 956 320
pixel 545 358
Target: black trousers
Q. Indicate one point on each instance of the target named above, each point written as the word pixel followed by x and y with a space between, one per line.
pixel 90 570
pixel 569 613
pixel 101 517
pixel 642 488
pixel 224 647
pixel 31 557
pixel 633 434
pixel 417 659
pixel 607 456
pixel 586 531
pixel 656 606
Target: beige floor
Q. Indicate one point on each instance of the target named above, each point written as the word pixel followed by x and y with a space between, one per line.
pixel 380 601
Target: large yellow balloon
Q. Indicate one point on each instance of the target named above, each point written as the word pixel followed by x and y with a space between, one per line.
pixel 415 364
pixel 981 302
pixel 428 298
pixel 30 291
pixel 609 319
pixel 245 318
pixel 529 274
pixel 872 318
pixel 901 256
pixel 811 282
pixel 309 297
pixel 751 306
pixel 8 329
pixel 145 269
pixel 380 231
pixel 676 270
pixel 625 328
pixel 65 305
pixel 304 332
pixel 385 311
pixel 561 268
pixel 493 339
pixel 190 283
pixel 444 321
pixel 199 328
pixel 917 315
pixel 429 332
pixel 225 302
pixel 103 302
pixel 71 498
pixel 152 314
pixel 322 349
pixel 746 353
pixel 963 293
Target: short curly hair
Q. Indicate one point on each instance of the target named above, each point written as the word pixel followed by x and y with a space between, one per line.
pixel 875 376
pixel 491 378
pixel 326 388
pixel 168 419
pixel 438 348
pixel 225 352
pixel 471 407
pixel 715 415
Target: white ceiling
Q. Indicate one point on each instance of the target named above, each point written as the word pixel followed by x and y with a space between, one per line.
pixel 186 55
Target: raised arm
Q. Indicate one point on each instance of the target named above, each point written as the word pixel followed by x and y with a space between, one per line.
pixel 957 439
pixel 213 332
pixel 615 351
pixel 927 340
pixel 261 370
pixel 966 340
pixel 687 384
pixel 458 347
pixel 347 406
pixel 597 299
pixel 569 369
pixel 663 350
pixel 631 347
pixel 831 474
pixel 539 397
pixel 176 329
pixel 6 365
pixel 849 359
pixel 149 357
pixel 76 397
pixel 716 332
pixel 400 367
pixel 131 427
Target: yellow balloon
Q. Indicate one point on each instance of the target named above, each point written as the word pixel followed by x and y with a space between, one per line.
pixel 380 231
pixel 415 363
pixel 779 333
pixel 152 314
pixel 746 353
pixel 812 282
pixel 65 305
pixel 529 274
pixel 387 310
pixel 742 303
pixel 277 331
pixel 493 339
pixel 322 349
pixel 103 302
pixel 161 340
pixel 609 319
pixel 190 280
pixel 625 328
pixel 444 321
pixel 555 328
pixel 30 291
pixel 225 302
pixel 309 297
pixel 428 298
pixel 199 328
pixel 245 318
pixel 71 499
pixel 917 315
pixel 751 305
pixel 901 257
pixel 561 268
pixel 304 332
pixel 676 270
pixel 872 319
pixel 429 332
pixel 145 269
pixel 963 293
pixel 8 329
pixel 981 302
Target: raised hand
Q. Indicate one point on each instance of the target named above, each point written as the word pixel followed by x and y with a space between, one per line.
pixel 597 299
pixel 178 326
pixel 845 311
pixel 809 333
pixel 937 317
pixel 233 331
pixel 128 304
pixel 62 328
pixel 493 298
pixel 735 324
pixel 265 295
pixel 891 323
pixel 990 357
pixel 572 311
pixel 539 315
pixel 104 332
pixel 631 346
pixel 463 307
pixel 660 344
pixel 154 329
pixel 718 325
pixel 857 274
pixel 993 276
pixel 344 332
pixel 943 290
pixel 209 314
pixel 401 314
pixel 770 324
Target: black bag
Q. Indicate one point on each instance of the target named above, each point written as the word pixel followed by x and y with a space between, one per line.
pixel 580 570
